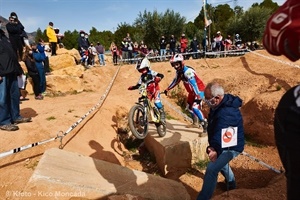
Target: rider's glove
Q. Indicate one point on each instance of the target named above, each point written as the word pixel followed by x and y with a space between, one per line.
pixel 157 79
pixel 282 34
pixel 166 92
pixel 198 101
pixel 131 88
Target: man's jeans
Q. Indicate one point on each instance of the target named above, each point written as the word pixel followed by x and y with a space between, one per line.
pixel 41 71
pixel 211 174
pixel 9 99
pixel 163 54
pixel 101 59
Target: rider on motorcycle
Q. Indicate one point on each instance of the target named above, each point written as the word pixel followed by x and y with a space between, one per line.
pixel 151 79
pixel 193 85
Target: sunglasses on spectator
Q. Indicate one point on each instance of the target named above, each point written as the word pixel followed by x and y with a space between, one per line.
pixel 210 100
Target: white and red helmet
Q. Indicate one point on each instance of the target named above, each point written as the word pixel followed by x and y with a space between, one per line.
pixel 143 64
pixel 177 58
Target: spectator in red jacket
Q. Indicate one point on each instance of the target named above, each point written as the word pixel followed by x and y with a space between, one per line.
pixel 183 43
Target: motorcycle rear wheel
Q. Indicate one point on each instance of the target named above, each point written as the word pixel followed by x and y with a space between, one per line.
pixel 137 123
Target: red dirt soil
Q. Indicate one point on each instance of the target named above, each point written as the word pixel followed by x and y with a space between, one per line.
pixel 260 82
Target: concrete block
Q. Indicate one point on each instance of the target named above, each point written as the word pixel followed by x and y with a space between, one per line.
pixel 179 149
pixel 64 175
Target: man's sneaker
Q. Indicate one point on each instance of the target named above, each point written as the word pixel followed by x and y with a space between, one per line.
pixel 39 97
pixel 9 127
pixel 22 120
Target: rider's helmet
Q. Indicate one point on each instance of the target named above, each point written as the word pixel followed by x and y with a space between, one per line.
pixel 143 66
pixel 177 61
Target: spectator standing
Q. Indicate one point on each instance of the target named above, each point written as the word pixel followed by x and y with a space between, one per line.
pixel 172 44
pixel 86 37
pixel 39 58
pixel 16 33
pixel 162 46
pixel 124 48
pixel 205 43
pixel 92 54
pixel 285 23
pixel 24 36
pixel 218 42
pixel 130 50
pixel 238 41
pixel 193 85
pixel 50 32
pixel 143 48
pixel 195 47
pixel 100 50
pixel 228 43
pixel 41 48
pixel 59 38
pixel 114 52
pixel 136 49
pixel 183 43
pixel 83 44
pixel 224 114
pixel 33 73
pixel 9 89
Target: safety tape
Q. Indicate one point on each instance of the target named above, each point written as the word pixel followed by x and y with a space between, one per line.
pixel 262 163
pixel 99 104
pixel 209 53
pixel 276 60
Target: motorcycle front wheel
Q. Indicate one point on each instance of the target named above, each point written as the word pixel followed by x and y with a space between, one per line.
pixel 161 129
pixel 138 121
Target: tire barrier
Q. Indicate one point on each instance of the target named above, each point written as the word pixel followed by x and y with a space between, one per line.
pixel 62 134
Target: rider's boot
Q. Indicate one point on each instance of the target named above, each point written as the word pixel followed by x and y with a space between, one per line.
pixel 204 125
pixel 195 123
pixel 162 115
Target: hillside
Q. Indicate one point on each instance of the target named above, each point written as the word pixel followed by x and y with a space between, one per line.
pixel 259 81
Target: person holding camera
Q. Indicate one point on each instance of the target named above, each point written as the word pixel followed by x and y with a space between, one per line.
pixel 16 34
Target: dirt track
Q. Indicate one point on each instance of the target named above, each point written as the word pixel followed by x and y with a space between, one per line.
pixel 254 78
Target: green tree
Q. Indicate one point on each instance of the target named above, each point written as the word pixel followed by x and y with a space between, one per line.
pixel 252 23
pixel 40 34
pixel 70 39
pixel 153 25
pixel 122 30
pixel 273 6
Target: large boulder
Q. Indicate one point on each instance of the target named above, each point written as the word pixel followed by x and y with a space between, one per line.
pixel 64 84
pixel 61 61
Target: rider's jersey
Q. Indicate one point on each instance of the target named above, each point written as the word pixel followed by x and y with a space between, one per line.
pixel 191 81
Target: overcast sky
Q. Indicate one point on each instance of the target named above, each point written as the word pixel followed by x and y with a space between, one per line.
pixel 103 15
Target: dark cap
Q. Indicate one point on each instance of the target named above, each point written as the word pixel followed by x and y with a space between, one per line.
pixel 51 23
